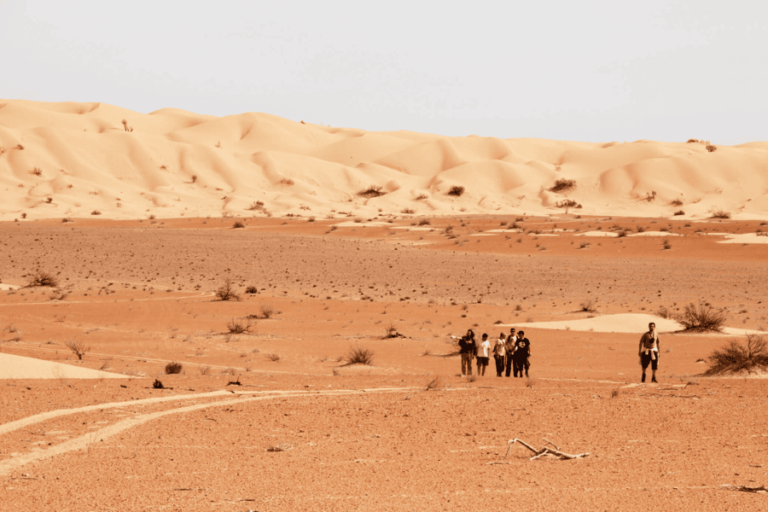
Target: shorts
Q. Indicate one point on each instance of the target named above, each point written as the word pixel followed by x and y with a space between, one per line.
pixel 482 361
pixel 645 360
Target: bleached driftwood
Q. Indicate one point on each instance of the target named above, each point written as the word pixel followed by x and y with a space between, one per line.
pixel 539 453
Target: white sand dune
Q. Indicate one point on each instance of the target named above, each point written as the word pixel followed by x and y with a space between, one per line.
pixel 747 238
pixel 77 159
pixel 622 323
pixel 20 367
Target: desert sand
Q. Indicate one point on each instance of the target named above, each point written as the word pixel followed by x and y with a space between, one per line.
pixel 273 418
pixel 80 159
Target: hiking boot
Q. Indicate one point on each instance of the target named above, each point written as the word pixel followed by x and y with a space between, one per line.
pixel 643 378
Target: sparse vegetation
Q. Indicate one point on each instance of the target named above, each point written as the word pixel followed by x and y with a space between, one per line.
pixel 287 182
pixel 359 355
pixel 567 204
pixel 456 191
pixel 666 244
pixel 256 205
pixel 392 332
pixel 703 317
pixel 677 202
pixel 239 325
pixel 719 213
pixel 436 384
pixel 227 291
pixel 41 278
pixel 421 197
pixel 372 191
pixel 589 306
pixel 679 212
pixel 36 171
pixel 711 148
pixel 563 185
pixel 267 311
pixel 423 222
pixel 273 357
pixel 157 384
pixel 251 290
pixel 173 367
pixel 737 357
pixel 238 225
pixel 407 211
pixel 615 393
pixel 125 126
pixel 95 212
pixel 77 347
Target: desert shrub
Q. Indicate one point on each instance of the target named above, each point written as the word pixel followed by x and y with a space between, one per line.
pixel 66 219
pixel 719 213
pixel 359 355
pixel 702 317
pixel 589 306
pixel 256 205
pixel 157 384
pixel 421 197
pixel 650 196
pixel 251 290
pixel 95 212
pixel 77 347
pixel 173 367
pixel 677 202
pixel 36 171
pixel 227 291
pixel 267 311
pixel 622 233
pixel 392 332
pixel 563 185
pixel 20 147
pixel 711 148
pixel 239 325
pixel 567 204
pixel 692 141
pixel 666 244
pixel 737 357
pixel 205 370
pixel 407 211
pixel 679 212
pixel 372 191
pixel 239 224
pixel 287 182
pixel 423 222
pixel 273 357
pixel 456 191
pixel 615 393
pixel 41 278
pixel 663 312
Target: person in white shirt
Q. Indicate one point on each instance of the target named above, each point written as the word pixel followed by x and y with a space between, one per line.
pixel 499 353
pixel 483 349
pixel 649 351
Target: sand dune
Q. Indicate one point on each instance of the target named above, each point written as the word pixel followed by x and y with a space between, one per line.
pixel 76 159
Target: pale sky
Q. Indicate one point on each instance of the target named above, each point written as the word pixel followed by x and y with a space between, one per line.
pixel 594 70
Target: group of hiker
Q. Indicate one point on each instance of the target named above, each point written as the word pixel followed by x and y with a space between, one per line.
pixel 512 353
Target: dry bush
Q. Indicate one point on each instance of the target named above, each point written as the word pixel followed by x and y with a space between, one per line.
pixel 157 384
pixel 615 393
pixel 711 148
pixel 423 222
pixel 679 212
pixel 251 290
pixel 41 278
pixel 563 185
pixel 436 384
pixel 663 312
pixel 20 147
pixel 692 141
pixel 456 191
pixel 205 370
pixel 77 347
pixel 256 205
pixel 421 197
pixel 407 211
pixel 372 191
pixel 589 306
pixel 273 357
pixel 567 203
pixel 267 311
pixel 238 225
pixel 36 171
pixel 95 212
pixel 173 367
pixel 719 213
pixel 702 318
pixel 227 291
pixel 737 357
pixel 677 202
pixel 239 325
pixel 287 182
pixel 392 332
pixel 666 244
pixel 359 355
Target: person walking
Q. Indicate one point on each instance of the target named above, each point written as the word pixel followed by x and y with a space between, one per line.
pixel 511 340
pixel 499 353
pixel 467 351
pixel 649 352
pixel 521 357
pixel 483 350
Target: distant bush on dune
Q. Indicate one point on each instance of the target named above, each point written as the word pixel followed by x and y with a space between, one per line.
pixel 563 185
pixel 703 317
pixel 719 213
pixel 456 191
pixel 41 278
pixel 227 291
pixel 372 191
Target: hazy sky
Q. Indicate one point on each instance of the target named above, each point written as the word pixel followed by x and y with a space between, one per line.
pixel 594 70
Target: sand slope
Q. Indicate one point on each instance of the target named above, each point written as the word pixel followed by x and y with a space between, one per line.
pixel 19 367
pixel 73 159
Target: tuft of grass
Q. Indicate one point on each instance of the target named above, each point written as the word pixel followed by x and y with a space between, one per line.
pixel 372 191
pixel 36 171
pixel 567 204
pixel 239 325
pixel 456 191
pixel 615 393
pixel 703 317
pixel 205 370
pixel 423 222
pixel 77 347
pixel 42 278
pixel 421 197
pixel 267 311
pixel 359 355
pixel 737 357
pixel 173 367
pixel 589 306
pixel 436 384
pixel 563 185
pixel 227 291
pixel 238 225
pixel 273 357
pixel 677 202
pixel 392 332
pixel 667 244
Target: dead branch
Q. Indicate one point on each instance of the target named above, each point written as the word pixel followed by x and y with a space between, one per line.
pixel 539 453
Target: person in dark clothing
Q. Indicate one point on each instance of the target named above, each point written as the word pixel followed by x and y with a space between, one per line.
pixel 521 357
pixel 511 339
pixel 500 353
pixel 467 347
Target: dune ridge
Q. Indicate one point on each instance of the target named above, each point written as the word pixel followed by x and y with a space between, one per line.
pixel 79 159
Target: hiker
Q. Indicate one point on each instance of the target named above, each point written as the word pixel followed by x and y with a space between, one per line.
pixel 467 351
pixel 511 340
pixel 520 359
pixel 499 354
pixel 649 351
pixel 483 348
